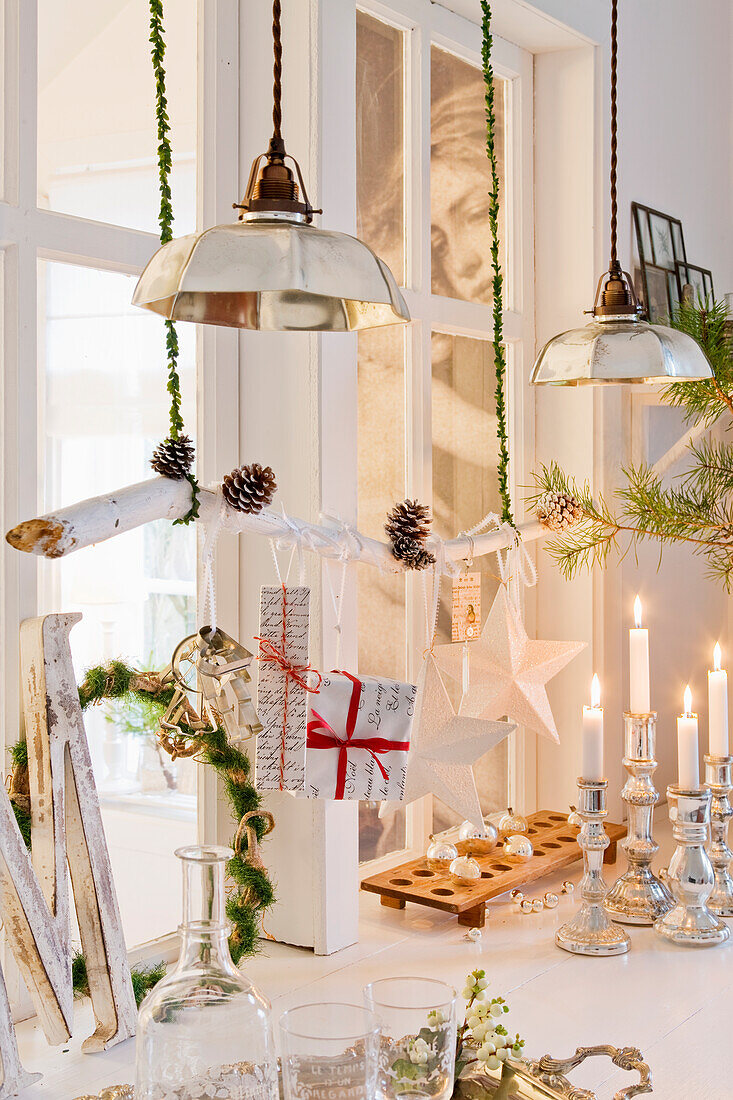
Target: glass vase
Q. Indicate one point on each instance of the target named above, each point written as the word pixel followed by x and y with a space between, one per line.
pixel 204 1031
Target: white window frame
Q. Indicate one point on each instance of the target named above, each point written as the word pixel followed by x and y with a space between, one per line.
pixel 426 24
pixel 29 234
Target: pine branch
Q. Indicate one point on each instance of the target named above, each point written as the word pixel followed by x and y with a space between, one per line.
pixel 705 402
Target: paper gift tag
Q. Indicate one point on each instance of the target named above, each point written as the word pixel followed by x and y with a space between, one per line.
pixel 282 702
pixel 466 613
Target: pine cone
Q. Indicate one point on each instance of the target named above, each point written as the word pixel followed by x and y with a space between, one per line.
pixel 409 519
pixel 174 457
pixel 407 527
pixel 250 488
pixel 558 511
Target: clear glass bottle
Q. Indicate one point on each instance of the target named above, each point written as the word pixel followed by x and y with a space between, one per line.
pixel 204 1031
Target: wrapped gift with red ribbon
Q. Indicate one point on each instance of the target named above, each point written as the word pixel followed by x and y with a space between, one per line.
pixel 359 738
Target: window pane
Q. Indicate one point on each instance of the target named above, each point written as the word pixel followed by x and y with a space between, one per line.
pixel 97 138
pixel 460 178
pixel 381 597
pixel 103 409
pixel 465 488
pixel 379 140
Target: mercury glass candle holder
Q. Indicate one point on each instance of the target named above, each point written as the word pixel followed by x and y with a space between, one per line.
pixel 591 932
pixel 690 922
pixel 719 779
pixel 638 896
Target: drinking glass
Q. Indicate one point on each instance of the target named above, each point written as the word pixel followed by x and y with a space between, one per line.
pixel 329 1052
pixel 418 1022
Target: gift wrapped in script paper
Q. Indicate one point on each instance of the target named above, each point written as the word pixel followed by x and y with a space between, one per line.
pixel 359 738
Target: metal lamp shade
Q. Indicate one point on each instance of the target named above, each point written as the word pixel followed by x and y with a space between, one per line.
pixel 274 274
pixel 618 350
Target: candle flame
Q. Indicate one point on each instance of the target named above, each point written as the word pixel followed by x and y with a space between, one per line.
pixel 637 612
pixel 688 702
pixel 595 691
pixel 717 657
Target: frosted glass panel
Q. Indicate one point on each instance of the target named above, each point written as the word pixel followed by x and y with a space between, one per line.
pixel 381 597
pixel 97 138
pixel 380 79
pixel 103 409
pixel 460 178
pixel 465 488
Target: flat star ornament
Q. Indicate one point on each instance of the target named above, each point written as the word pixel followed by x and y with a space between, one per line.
pixel 508 670
pixel 444 747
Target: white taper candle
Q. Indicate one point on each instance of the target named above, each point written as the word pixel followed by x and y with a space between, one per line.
pixel 638 664
pixel 718 744
pixel 593 736
pixel 687 748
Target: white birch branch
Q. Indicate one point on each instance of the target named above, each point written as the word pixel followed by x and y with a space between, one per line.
pixel 90 521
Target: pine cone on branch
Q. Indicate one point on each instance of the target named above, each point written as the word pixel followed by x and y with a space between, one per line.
pixel 408 527
pixel 558 511
pixel 250 488
pixel 174 457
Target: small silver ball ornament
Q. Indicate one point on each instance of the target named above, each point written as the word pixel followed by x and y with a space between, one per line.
pixel 473 934
pixel 518 848
pixel 464 870
pixel 478 842
pixel 568 887
pixel 440 854
pixel 551 900
pixel 537 905
pixel 526 905
pixel 517 895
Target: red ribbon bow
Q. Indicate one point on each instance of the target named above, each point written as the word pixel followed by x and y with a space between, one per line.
pixel 270 653
pixel 331 740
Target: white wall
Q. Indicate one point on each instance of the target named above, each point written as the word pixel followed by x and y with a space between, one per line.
pixel 676 150
pixel 676 121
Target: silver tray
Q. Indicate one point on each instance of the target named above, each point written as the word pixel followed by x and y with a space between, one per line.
pixel 545 1079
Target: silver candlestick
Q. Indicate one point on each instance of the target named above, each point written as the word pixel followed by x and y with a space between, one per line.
pixel 638 896
pixel 590 932
pixel 690 875
pixel 719 778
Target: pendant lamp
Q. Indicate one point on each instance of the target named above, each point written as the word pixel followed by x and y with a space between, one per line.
pixel 273 269
pixel 617 346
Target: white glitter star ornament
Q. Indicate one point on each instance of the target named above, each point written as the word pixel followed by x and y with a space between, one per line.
pixel 444 748
pixel 508 670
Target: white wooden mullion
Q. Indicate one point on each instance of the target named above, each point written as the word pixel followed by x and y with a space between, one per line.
pixel 217 349
pixel 77 240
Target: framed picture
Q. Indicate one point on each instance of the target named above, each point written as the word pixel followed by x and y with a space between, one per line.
pixel 657 298
pixel 699 278
pixel 660 247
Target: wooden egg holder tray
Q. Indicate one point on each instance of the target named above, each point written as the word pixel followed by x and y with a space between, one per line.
pixel 555 846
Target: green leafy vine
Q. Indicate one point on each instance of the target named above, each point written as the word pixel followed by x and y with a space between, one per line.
pixel 497 280
pixel 165 221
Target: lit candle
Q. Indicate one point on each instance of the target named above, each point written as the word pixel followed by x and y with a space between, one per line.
pixel 687 757
pixel 593 736
pixel 718 707
pixel 638 664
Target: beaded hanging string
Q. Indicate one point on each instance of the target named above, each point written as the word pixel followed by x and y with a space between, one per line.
pixel 165 220
pixel 497 280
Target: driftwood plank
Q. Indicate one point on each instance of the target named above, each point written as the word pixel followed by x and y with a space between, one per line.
pixel 66 825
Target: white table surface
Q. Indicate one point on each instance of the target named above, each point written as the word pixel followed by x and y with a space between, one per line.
pixel 675 1004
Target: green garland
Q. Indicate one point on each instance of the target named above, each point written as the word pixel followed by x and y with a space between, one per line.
pixel 118 680
pixel 497 282
pixel 165 220
pixel 253 892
